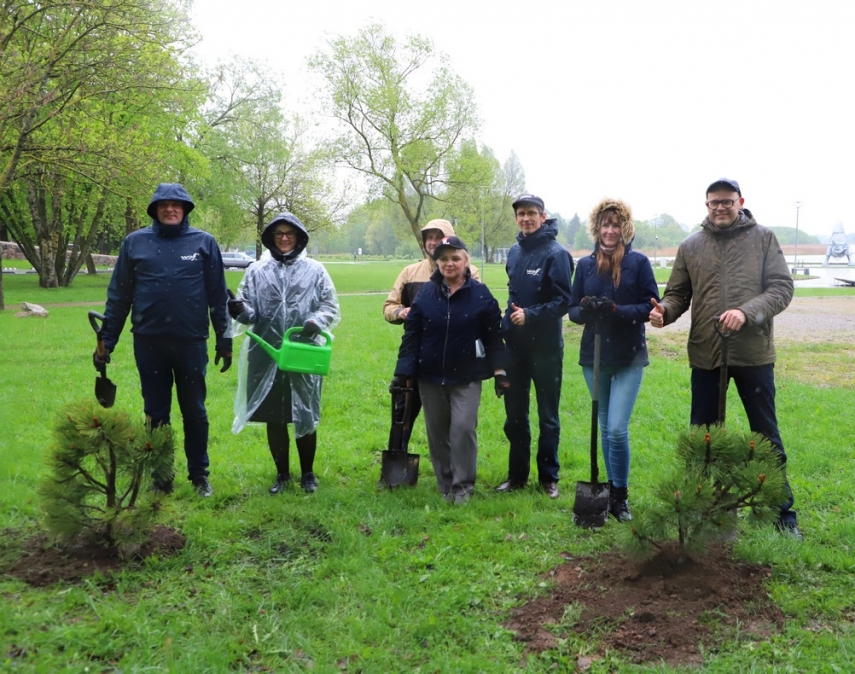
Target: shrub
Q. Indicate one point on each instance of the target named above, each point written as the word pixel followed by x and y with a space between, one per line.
pixel 99 465
pixel 719 474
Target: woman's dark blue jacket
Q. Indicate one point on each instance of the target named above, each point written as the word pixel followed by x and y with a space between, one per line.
pixel 622 339
pixel 441 330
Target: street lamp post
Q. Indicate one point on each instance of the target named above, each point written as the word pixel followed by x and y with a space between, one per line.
pixel 796 251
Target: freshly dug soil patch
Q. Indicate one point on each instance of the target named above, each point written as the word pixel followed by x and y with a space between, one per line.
pixel 669 609
pixel 41 562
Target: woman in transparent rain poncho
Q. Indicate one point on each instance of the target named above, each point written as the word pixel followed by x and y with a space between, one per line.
pixel 283 291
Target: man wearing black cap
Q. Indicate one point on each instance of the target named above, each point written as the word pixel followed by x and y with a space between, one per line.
pixel 735 269
pixel 539 271
pixel 169 278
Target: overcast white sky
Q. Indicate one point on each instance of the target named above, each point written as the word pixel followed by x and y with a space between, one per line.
pixel 644 101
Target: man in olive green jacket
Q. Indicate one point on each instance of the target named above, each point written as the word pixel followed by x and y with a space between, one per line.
pixel 735 269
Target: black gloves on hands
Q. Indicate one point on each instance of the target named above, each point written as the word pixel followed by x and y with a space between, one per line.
pixel 235 306
pixel 502 384
pixel 596 307
pixel 100 362
pixel 310 331
pixel 399 381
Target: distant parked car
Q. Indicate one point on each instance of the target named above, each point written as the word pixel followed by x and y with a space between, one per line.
pixel 239 260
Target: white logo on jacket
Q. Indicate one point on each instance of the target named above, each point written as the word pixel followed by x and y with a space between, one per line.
pixel 194 256
pixel 533 272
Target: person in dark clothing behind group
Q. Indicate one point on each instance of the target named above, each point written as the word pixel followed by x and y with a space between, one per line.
pixel 170 278
pixel 451 343
pixel 539 271
pixel 614 285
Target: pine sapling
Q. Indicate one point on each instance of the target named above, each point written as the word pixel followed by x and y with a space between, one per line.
pixel 99 467
pixel 718 474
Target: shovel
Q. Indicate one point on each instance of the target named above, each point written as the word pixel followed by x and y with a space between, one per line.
pixel 591 507
pixel 398 467
pixel 105 390
pixel 722 380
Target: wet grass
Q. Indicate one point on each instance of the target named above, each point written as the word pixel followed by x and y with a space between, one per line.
pixel 357 578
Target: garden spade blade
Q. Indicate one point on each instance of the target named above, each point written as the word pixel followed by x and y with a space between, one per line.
pixel 105 390
pixel 591 507
pixel 397 466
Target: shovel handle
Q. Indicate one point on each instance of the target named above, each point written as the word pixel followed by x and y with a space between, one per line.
pixel 94 317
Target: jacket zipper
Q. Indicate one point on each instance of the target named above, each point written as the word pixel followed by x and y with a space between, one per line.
pixel 447 328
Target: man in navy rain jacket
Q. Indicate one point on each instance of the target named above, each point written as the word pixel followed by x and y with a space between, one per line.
pixel 169 277
pixel 539 271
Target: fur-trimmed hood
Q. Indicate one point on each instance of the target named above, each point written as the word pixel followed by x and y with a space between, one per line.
pixel 624 213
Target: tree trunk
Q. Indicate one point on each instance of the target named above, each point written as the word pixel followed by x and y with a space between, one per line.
pixel 2 296
pixel 90 264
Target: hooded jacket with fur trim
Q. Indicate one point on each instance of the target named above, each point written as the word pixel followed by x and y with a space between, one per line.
pixel 623 341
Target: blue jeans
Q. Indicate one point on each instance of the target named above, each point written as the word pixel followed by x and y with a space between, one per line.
pixel 619 388
pixel 756 388
pixel 544 369
pixel 162 362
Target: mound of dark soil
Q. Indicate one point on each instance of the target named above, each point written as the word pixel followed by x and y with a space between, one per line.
pixel 41 562
pixel 669 609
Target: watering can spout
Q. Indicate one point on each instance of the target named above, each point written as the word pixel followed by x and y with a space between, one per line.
pixel 273 353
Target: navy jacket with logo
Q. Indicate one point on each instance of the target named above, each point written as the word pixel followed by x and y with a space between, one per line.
pixel 539 271
pixel 169 278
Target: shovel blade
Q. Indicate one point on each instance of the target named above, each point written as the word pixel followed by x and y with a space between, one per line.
pixel 397 468
pixel 105 391
pixel 591 508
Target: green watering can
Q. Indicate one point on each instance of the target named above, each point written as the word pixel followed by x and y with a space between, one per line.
pixel 301 357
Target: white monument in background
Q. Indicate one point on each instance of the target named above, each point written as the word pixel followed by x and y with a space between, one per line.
pixel 838 246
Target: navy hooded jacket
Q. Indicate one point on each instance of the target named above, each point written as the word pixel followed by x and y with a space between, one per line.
pixel 539 271
pixel 622 335
pixel 441 330
pixel 169 278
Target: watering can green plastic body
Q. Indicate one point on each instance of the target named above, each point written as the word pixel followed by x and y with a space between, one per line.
pixel 301 357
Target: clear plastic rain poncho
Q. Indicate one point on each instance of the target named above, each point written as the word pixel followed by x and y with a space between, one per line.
pixel 279 295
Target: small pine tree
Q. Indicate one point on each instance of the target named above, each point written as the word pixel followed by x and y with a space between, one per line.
pixel 719 474
pixel 99 464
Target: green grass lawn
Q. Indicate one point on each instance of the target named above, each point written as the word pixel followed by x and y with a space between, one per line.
pixel 361 579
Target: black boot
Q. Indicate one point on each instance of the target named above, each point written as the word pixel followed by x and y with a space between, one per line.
pixel 619 504
pixel 306 447
pixel 277 441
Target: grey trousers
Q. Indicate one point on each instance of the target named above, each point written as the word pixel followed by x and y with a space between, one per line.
pixel 451 417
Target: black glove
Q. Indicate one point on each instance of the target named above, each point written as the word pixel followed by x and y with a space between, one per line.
pixel 226 357
pixel 587 308
pixel 101 362
pixel 235 306
pixel 606 306
pixel 399 381
pixel 502 384
pixel 310 331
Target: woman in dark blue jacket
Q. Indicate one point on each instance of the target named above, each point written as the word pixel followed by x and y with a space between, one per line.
pixel 451 343
pixel 622 283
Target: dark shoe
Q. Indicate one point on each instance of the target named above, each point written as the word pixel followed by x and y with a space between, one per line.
pixel 790 529
pixel 551 489
pixel 309 483
pixel 203 487
pixel 510 485
pixel 162 488
pixel 619 504
pixel 281 483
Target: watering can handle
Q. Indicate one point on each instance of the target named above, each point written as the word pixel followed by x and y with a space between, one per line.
pixel 296 330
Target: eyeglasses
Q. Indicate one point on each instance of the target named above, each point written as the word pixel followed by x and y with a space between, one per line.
pixel 285 235
pixel 715 203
